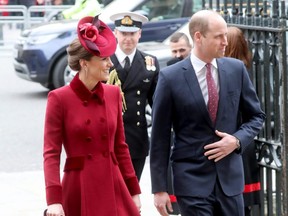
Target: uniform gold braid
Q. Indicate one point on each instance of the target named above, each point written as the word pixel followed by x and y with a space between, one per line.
pixel 114 80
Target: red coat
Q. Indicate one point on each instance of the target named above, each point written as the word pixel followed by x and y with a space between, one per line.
pixel 99 178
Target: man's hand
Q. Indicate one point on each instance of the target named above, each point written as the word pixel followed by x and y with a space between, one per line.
pixel 161 200
pixel 218 150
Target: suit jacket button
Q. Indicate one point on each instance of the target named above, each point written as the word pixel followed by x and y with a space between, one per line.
pixel 138 103
pixel 138 123
pixel 138 113
pixel 138 92
pixel 88 121
pixel 89 156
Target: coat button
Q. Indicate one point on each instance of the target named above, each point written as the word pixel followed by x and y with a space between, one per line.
pixel 102 120
pixel 85 103
pixel 138 113
pixel 104 136
pixel 138 92
pixel 88 139
pixel 138 123
pixel 106 154
pixel 88 121
pixel 138 103
pixel 89 156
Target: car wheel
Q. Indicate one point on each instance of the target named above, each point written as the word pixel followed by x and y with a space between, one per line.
pixel 48 86
pixel 62 73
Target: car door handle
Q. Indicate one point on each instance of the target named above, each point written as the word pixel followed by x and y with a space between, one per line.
pixel 174 27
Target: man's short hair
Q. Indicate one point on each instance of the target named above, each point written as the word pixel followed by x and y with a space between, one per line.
pixel 177 36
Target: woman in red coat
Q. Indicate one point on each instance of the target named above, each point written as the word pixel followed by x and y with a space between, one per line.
pixel 85 118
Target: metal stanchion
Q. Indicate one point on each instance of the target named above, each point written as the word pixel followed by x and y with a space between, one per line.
pixel 1 32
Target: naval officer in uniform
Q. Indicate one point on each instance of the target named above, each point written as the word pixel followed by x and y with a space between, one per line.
pixel 136 73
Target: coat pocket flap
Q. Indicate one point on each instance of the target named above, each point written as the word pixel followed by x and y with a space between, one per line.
pixel 74 163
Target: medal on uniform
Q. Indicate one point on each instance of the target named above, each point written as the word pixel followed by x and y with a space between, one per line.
pixel 150 63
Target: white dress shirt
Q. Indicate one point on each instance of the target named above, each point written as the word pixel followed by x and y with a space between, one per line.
pixel 200 70
pixel 121 56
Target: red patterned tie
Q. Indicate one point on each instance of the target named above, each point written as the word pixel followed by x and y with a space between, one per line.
pixel 212 94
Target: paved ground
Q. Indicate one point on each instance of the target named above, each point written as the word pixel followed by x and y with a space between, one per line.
pixel 22 193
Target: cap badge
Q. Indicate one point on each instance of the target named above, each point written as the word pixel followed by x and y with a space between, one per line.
pixel 127 21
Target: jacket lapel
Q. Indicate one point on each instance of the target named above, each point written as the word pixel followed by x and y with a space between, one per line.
pixel 134 69
pixel 120 71
pixel 193 84
pixel 223 88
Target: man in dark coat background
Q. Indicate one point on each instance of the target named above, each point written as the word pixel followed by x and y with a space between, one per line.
pixel 137 73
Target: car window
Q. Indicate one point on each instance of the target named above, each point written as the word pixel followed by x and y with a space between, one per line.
pixel 118 6
pixel 197 5
pixel 184 29
pixel 161 9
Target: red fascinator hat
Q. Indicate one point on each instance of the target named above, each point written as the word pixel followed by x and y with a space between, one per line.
pixel 96 37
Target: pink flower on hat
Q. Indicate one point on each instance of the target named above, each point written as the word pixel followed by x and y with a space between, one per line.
pixel 96 37
pixel 89 31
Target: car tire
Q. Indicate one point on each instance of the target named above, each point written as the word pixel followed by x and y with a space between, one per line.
pixel 48 86
pixel 62 74
pixel 58 73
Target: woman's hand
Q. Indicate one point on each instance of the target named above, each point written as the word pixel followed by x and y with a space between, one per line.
pixel 55 210
pixel 136 199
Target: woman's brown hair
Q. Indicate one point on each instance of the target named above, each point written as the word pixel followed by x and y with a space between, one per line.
pixel 238 46
pixel 76 52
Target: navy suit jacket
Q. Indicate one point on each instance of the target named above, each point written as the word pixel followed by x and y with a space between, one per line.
pixel 179 103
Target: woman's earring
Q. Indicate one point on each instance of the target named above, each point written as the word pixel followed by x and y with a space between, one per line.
pixel 85 69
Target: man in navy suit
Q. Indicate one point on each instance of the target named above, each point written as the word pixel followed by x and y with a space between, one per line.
pixel 206 159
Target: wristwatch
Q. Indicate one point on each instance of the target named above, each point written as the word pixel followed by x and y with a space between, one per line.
pixel 238 143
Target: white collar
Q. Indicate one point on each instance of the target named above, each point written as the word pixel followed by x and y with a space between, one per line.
pixel 121 55
pixel 198 64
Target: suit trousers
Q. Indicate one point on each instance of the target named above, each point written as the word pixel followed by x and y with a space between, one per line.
pixel 216 204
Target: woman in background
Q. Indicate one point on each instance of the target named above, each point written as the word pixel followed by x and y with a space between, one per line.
pixel 238 48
